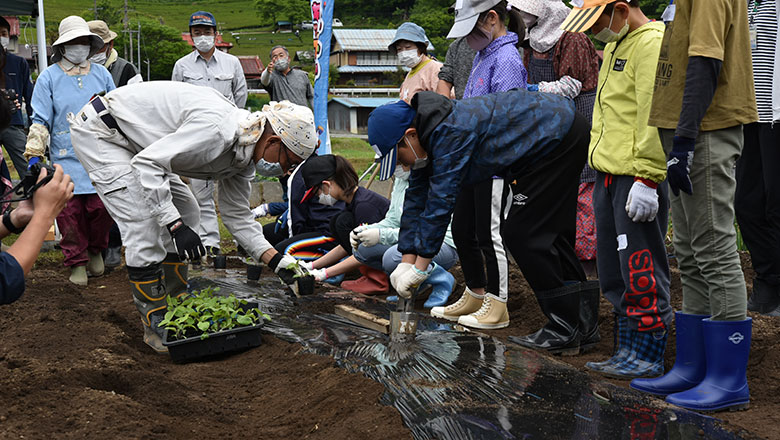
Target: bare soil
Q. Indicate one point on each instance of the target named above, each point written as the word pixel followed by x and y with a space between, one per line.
pixel 73 365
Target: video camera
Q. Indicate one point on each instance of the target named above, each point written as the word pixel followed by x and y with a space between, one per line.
pixel 24 190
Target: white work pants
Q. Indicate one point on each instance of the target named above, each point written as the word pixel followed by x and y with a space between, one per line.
pixel 203 190
pixel 105 155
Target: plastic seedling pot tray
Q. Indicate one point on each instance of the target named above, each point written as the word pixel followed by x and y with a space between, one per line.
pixel 226 341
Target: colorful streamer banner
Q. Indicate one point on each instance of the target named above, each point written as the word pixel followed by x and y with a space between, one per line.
pixel 322 16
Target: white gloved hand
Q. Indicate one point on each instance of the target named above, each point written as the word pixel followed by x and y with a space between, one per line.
pixel 353 236
pixel 369 237
pixel 308 265
pixel 319 274
pixel 399 270
pixel 409 281
pixel 642 202
pixel 286 260
pixel 261 211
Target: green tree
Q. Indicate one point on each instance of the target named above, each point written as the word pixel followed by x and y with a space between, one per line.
pixel 433 16
pixel 108 11
pixel 294 11
pixel 161 45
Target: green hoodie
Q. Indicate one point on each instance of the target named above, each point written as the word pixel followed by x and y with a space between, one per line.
pixel 621 142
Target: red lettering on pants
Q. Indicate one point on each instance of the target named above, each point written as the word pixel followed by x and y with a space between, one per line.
pixel 641 294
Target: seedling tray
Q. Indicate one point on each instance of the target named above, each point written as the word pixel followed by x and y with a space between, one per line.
pixel 226 341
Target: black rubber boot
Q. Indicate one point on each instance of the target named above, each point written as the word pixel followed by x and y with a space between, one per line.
pixel 150 298
pixel 176 273
pixel 561 334
pixel 765 298
pixel 589 315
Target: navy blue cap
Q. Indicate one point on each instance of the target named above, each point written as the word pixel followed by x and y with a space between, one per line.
pixel 202 18
pixel 386 126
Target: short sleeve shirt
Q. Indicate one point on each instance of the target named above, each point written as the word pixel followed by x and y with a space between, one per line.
pixel 714 29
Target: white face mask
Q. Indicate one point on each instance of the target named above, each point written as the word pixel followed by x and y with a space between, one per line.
pixel 529 19
pixel 418 162
pixel 203 43
pixel 401 173
pixel 607 35
pixel 269 169
pixel 281 64
pixel 409 58
pixel 99 58
pixel 76 53
pixel 326 199
pixel 4 42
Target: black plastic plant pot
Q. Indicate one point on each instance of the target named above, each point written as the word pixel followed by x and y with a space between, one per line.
pixel 253 272
pixel 194 347
pixel 220 262
pixel 306 285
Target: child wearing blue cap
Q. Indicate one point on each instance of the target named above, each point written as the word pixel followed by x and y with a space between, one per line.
pixel 538 144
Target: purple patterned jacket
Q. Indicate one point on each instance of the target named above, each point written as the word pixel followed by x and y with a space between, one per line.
pixel 497 68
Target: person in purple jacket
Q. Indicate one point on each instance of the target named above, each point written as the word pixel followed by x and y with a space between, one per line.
pixel 477 219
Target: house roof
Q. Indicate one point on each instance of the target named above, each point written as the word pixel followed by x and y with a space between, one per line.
pixel 251 65
pixel 370 69
pixel 219 42
pixel 14 22
pixel 284 23
pixel 373 40
pixel 362 102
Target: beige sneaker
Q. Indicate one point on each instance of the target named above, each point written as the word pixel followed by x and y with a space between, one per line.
pixel 492 315
pixel 95 266
pixel 78 275
pixel 469 302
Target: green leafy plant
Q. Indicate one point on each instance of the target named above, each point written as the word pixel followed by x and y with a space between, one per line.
pixel 208 313
pixel 299 271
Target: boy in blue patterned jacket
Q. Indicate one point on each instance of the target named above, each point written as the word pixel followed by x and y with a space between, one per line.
pixel 538 144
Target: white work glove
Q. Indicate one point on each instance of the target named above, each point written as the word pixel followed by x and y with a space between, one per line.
pixel 286 260
pixel 642 202
pixel 353 236
pixel 408 282
pixel 369 237
pixel 566 86
pixel 261 211
pixel 308 265
pixel 319 274
pixel 399 270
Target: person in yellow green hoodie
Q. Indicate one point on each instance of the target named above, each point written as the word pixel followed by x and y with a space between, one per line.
pixel 630 196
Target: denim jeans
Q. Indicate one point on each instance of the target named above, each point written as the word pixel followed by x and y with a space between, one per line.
pixel 705 241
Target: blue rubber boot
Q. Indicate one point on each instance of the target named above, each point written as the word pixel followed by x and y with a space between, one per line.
pixel 621 344
pixel 645 360
pixel 726 348
pixel 442 282
pixel 334 281
pixel 689 364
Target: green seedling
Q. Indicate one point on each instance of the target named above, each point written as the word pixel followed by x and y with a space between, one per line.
pixel 299 271
pixel 208 313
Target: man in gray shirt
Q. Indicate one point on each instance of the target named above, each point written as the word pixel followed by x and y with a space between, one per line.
pixel 207 66
pixel 284 83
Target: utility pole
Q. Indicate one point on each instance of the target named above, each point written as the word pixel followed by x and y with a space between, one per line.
pixel 139 46
pixel 95 8
pixel 124 28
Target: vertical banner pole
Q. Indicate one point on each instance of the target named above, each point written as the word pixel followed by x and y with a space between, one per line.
pixel 322 19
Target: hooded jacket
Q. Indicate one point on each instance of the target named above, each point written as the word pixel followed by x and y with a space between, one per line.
pixel 621 141
pixel 469 141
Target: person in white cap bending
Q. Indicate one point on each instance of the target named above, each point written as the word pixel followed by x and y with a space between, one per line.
pixel 136 141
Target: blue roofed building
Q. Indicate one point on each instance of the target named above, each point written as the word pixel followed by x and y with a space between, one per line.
pixel 350 115
pixel 361 56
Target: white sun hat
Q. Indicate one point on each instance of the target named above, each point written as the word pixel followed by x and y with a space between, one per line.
pixel 71 28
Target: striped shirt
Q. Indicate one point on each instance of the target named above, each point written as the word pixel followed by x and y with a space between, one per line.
pixel 763 15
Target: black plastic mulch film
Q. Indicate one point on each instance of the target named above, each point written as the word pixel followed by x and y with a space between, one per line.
pixel 449 384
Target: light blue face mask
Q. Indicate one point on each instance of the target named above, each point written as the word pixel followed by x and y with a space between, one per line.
pixel 269 169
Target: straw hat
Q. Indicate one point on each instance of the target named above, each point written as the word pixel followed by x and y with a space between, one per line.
pixel 71 28
pixel 100 28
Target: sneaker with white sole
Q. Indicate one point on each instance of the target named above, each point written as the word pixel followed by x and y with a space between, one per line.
pixel 491 315
pixel 469 302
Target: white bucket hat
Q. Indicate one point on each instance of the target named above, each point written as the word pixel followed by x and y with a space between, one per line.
pixel 71 28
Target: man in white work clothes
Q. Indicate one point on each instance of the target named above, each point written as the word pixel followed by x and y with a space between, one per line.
pixel 136 141
pixel 207 66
